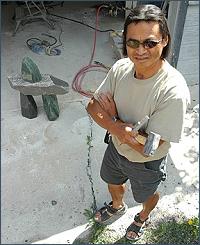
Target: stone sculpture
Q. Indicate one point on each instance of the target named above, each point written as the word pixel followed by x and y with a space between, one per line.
pixel 32 83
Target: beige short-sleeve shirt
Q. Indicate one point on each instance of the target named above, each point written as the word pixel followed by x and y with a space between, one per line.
pixel 163 97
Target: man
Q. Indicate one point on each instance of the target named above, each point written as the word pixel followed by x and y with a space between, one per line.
pixel 142 84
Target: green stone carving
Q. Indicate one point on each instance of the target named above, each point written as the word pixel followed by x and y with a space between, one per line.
pixel 28 106
pixel 50 104
pixel 30 71
pixel 30 82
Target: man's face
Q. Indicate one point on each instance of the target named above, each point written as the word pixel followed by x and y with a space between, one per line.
pixel 144 57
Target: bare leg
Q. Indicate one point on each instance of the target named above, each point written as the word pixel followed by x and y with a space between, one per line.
pixel 148 206
pixel 117 193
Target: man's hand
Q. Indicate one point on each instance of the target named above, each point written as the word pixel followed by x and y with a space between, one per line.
pixel 107 103
pixel 129 136
pixel 123 131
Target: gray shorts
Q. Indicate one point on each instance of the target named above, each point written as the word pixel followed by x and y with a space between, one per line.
pixel 144 177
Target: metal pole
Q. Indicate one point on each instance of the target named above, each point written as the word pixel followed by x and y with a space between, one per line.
pixel 164 6
pixel 176 28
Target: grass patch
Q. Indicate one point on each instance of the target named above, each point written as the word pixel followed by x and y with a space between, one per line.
pixel 100 233
pixel 172 231
pixel 169 231
pixel 96 228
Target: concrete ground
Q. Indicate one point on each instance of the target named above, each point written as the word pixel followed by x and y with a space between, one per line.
pixel 50 172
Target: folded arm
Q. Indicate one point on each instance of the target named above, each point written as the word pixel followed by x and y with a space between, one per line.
pixel 103 111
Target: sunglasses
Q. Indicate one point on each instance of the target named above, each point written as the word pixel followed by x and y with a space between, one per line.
pixel 147 44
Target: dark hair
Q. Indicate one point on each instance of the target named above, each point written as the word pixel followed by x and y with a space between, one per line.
pixel 148 13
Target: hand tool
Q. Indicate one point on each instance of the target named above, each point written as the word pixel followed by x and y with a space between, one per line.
pixel 139 124
pixel 151 143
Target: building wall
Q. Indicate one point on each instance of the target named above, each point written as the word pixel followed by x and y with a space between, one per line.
pixel 188 63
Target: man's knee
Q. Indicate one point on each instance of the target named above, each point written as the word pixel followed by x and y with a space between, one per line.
pixel 142 197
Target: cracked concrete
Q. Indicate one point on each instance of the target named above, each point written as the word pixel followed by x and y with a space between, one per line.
pixel 89 165
pixel 50 170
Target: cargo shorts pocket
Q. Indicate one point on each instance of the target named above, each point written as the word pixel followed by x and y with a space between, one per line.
pixel 157 167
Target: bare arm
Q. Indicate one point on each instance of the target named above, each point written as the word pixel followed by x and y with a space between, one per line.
pixel 102 115
pixel 107 102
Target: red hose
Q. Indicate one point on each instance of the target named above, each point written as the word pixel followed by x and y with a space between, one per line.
pixel 78 79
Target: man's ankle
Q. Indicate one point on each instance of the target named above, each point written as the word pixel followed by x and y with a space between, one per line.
pixel 118 205
pixel 143 215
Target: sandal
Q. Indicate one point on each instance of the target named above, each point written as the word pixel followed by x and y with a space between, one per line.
pixel 106 212
pixel 137 229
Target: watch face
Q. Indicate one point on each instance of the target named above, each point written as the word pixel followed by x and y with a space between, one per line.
pixel 114 119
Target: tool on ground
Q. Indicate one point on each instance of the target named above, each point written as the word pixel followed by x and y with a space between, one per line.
pixel 40 46
pixel 151 143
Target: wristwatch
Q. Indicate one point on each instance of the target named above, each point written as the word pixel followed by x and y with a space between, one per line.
pixel 115 118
